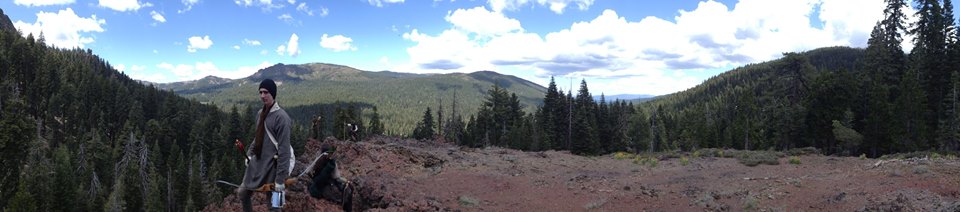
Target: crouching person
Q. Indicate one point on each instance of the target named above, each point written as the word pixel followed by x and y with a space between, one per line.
pixel 327 182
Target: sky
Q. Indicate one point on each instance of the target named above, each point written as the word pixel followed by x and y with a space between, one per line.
pixel 618 46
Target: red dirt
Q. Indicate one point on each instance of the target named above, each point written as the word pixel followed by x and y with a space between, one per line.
pixel 405 175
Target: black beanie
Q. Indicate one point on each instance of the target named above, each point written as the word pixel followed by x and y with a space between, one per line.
pixel 270 86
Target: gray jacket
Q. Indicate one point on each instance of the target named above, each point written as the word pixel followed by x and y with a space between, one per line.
pixel 265 169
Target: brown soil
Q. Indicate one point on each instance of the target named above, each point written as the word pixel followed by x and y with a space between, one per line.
pixel 403 175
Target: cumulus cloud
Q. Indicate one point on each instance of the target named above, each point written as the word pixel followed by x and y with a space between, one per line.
pixel 197 42
pixel 380 3
pixel 337 43
pixel 124 5
pixel 34 3
pixel 157 17
pixel 183 72
pixel 291 48
pixel 63 29
pixel 557 6
pixel 651 50
pixel 482 22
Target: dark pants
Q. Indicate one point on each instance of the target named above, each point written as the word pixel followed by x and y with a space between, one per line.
pixel 245 196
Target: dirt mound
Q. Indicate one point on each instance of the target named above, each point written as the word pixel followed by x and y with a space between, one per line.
pixel 393 174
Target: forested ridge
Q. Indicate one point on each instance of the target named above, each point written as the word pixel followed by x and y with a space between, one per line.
pixel 842 100
pixel 76 135
pixel 316 88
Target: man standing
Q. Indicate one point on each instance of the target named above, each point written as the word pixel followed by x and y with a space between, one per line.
pixel 270 157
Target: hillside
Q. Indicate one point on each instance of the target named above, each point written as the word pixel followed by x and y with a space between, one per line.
pixel 400 98
pixel 406 175
pixel 779 104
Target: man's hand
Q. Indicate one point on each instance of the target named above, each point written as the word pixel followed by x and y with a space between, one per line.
pixel 268 187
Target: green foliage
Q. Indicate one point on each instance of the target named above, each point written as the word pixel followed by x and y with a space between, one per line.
pixel 22 200
pixel 794 160
pixel 622 155
pixel 425 127
pixel 400 97
pixel 754 158
pixel 375 127
pixel 684 161
pixel 848 138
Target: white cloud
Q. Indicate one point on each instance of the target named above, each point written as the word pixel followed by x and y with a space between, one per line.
pixel 286 17
pixel 236 47
pixel 380 3
pixel 32 3
pixel 293 45
pixel 660 56
pixel 306 9
pixel 135 68
pixel 197 42
pixel 281 49
pixel 157 17
pixel 557 6
pixel 124 5
pixel 264 52
pixel 251 42
pixel 62 29
pixel 337 43
pixel 188 4
pixel 120 67
pixel 183 72
pixel 324 12
pixel 482 22
pixel 292 1
pixel 267 5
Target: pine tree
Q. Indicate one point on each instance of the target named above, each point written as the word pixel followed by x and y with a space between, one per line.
pixel 22 200
pixel 425 127
pixel 585 123
pixel 549 117
pixel 949 123
pixel 64 180
pixel 375 126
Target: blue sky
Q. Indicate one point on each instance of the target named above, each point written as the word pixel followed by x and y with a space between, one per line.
pixel 618 46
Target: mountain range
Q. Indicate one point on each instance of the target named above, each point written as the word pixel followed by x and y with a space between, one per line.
pixel 401 98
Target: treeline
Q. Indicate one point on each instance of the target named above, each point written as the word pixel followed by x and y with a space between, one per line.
pixel 842 100
pixel 76 135
pixel 846 101
pixel 563 122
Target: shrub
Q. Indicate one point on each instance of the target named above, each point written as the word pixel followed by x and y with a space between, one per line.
pixel 920 170
pixel 794 160
pixel 754 158
pixel 935 156
pixel 595 205
pixel 696 154
pixel 803 151
pixel 684 161
pixel 468 201
pixel 622 155
pixel 863 156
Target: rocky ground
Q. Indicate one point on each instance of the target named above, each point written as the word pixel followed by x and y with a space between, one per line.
pixel 403 175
